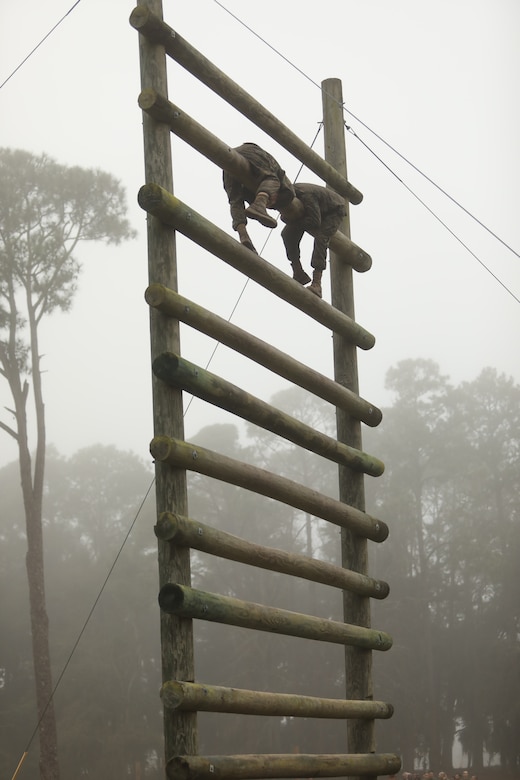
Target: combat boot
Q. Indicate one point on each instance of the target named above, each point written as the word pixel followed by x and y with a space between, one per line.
pixel 299 274
pixel 315 287
pixel 257 210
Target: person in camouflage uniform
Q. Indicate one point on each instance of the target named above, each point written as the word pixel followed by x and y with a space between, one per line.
pixel 316 210
pixel 273 190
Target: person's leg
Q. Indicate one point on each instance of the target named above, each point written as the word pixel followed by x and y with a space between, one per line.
pixel 291 236
pixel 318 263
pixel 329 226
pixel 265 198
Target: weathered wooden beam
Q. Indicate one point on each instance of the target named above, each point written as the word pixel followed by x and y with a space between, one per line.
pixel 201 139
pixel 350 252
pixel 155 29
pixel 183 601
pixel 199 536
pixel 281 765
pixel 197 136
pixel 172 211
pixel 174 305
pixel 182 454
pixel 354 550
pixel 215 698
pixel 182 374
pixel 180 729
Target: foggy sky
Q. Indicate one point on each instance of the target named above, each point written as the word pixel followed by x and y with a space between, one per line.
pixel 436 80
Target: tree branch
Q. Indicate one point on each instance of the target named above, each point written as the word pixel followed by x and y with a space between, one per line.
pixel 9 430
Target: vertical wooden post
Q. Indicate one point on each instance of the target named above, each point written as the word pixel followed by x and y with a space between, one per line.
pixel 358 662
pixel 180 731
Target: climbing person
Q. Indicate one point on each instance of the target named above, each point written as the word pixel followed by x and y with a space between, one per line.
pixel 316 210
pixel 273 190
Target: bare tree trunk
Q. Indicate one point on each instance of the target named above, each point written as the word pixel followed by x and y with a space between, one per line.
pixel 433 736
pixel 49 768
pixel 49 765
pixel 32 491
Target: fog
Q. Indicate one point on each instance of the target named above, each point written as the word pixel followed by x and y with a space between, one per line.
pixel 429 83
pixel 418 75
pixel 451 562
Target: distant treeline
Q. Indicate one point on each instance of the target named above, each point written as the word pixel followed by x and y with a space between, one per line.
pixel 450 495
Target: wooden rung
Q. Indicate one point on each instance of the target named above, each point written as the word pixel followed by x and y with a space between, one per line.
pixel 242 767
pixel 184 531
pixel 184 375
pixel 171 211
pixel 215 698
pixel 183 601
pixel 171 304
pixel 346 250
pixel 182 454
pixel 176 47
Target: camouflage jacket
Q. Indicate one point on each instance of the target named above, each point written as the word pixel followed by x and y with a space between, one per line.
pixel 265 169
pixel 321 205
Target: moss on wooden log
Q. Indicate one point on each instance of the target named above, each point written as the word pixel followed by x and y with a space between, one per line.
pixel 180 729
pixel 172 304
pixel 241 767
pixel 182 454
pixel 197 535
pixel 172 211
pixel 185 127
pixel 214 698
pixel 183 601
pixel 182 374
pixel 149 25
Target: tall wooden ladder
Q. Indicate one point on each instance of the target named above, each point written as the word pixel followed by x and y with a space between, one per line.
pixel 177 533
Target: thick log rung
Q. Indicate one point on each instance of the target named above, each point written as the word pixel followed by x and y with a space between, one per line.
pixel 227 158
pixel 215 698
pixel 184 375
pixel 156 30
pixel 187 532
pixel 173 212
pixel 172 304
pixel 183 601
pixel 282 765
pixel 182 454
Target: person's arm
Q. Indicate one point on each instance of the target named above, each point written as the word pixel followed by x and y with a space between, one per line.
pixel 235 194
pixel 291 237
pixel 243 236
pixel 238 211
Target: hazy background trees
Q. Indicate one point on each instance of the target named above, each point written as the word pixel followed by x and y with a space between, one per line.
pixel 46 210
pixel 450 496
pixel 107 704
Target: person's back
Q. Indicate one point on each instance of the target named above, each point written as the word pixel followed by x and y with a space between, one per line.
pixel 328 201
